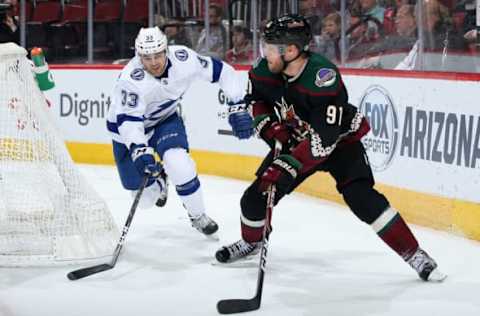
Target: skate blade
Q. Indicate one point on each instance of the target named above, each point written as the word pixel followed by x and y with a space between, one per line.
pixel 437 276
pixel 249 262
pixel 212 237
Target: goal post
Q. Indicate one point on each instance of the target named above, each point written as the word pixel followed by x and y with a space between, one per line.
pixel 49 214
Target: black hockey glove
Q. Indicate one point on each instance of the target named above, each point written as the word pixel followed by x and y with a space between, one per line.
pixel 281 173
pixel 269 129
pixel 144 160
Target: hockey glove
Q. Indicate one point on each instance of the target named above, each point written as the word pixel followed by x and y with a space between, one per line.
pixel 269 129
pixel 144 161
pixel 281 173
pixel 240 120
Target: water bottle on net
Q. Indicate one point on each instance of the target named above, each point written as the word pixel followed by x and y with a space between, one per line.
pixel 42 72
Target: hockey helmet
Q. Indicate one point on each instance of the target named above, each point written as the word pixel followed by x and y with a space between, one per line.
pixel 288 29
pixel 150 41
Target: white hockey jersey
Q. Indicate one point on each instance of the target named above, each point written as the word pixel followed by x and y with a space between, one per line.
pixel 141 101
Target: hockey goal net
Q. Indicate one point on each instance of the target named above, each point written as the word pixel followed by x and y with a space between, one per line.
pixel 48 213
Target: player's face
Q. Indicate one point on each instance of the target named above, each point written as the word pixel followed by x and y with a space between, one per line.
pixel 273 53
pixel 154 63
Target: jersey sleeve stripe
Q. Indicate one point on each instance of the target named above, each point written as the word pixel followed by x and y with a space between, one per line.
pixel 264 79
pixel 112 127
pixel 163 106
pixel 123 118
pixel 217 69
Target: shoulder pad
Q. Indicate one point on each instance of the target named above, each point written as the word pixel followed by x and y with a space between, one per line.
pixel 256 62
pixel 261 67
pixel 137 74
pixel 320 76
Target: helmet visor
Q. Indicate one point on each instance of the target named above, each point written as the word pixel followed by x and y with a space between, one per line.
pixel 269 50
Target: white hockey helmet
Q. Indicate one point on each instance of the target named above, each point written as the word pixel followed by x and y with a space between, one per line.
pixel 150 40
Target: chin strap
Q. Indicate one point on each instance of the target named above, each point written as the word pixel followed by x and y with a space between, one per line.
pixel 285 63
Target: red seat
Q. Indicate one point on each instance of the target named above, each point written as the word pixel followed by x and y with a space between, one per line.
pixel 46 12
pixel 68 34
pixel 74 13
pixel 28 10
pixel 107 11
pixel 136 11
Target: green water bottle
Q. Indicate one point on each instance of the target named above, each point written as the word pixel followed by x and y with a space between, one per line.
pixel 42 73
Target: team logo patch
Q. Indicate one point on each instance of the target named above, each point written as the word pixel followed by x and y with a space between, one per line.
pixel 181 54
pixel 325 77
pixel 137 74
pixel 203 61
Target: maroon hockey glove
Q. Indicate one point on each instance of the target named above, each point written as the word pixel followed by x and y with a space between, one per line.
pixel 269 129
pixel 281 173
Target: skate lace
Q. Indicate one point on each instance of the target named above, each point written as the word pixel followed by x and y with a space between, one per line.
pixel 240 248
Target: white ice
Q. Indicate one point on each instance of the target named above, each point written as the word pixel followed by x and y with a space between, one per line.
pixel 322 261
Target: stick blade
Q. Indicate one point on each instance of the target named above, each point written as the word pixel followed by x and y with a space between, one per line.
pixel 233 306
pixel 81 273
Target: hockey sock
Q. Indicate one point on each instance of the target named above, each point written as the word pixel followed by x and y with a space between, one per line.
pixel 252 230
pixel 192 197
pixel 393 230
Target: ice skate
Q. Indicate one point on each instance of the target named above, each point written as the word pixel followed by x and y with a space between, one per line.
pixel 162 181
pixel 238 250
pixel 204 224
pixel 426 267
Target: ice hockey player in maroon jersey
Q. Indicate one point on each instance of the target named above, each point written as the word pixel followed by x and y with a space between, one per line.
pixel 299 99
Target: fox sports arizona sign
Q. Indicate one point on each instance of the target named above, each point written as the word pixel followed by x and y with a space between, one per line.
pixel 382 141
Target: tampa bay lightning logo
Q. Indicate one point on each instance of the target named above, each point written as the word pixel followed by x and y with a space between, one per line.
pixel 137 74
pixel 325 77
pixel 181 54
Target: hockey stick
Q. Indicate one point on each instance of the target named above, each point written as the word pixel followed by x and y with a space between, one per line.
pixel 233 306
pixel 81 273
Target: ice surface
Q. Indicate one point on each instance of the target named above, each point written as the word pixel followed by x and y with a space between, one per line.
pixel 322 261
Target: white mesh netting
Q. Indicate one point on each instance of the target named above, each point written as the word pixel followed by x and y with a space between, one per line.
pixel 48 213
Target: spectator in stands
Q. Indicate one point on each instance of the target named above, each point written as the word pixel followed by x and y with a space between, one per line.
pixel 241 52
pixel 471 38
pixel 371 8
pixel 9 30
pixel 439 37
pixel 439 33
pixel 405 32
pixel 327 43
pixel 314 16
pixel 405 21
pixel 402 41
pixel 469 19
pixel 176 35
pixel 363 34
pixel 217 34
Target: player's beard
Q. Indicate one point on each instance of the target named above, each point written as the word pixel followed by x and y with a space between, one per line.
pixel 276 66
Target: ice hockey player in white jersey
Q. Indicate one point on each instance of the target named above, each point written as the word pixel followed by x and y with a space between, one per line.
pixel 143 121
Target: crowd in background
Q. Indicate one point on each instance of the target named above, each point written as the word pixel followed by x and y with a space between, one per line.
pixel 377 33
